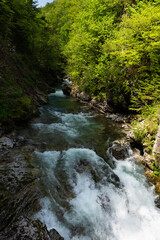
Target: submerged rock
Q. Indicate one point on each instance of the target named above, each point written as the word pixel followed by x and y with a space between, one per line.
pixel 98 173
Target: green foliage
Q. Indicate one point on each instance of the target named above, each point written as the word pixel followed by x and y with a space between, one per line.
pixel 93 25
pixel 13 103
pixel 156 171
pixel 111 48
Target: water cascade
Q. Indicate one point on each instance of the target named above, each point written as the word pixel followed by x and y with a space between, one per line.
pixel 88 194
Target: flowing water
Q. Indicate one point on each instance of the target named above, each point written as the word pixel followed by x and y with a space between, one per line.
pixel 88 194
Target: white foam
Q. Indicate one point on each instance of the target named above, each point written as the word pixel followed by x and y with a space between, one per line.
pixel 49 158
pixel 135 212
pixel 47 216
pixel 73 120
pixel 51 128
pixel 101 211
pixel 66 82
pixel 58 93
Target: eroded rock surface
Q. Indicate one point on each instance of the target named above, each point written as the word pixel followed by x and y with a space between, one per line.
pixel 20 192
pixel 28 229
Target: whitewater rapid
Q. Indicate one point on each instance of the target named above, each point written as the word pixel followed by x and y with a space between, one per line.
pixel 85 197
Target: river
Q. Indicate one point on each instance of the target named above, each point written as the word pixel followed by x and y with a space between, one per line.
pixel 88 194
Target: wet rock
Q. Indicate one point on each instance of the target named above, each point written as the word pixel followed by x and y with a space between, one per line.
pixel 81 166
pixel 19 191
pixel 6 142
pixel 54 235
pixel 98 173
pixel 157 202
pixel 66 90
pixel 120 151
pixel 104 201
pixel 25 228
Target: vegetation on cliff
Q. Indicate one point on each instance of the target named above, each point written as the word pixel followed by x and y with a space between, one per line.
pixel 24 61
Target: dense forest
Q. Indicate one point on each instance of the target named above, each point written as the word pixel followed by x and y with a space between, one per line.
pixel 110 49
pixel 24 66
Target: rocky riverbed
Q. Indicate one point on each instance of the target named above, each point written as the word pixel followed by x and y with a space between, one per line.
pixel 20 192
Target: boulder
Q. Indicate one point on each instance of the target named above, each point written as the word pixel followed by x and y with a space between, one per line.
pixel 120 151
pixel 66 90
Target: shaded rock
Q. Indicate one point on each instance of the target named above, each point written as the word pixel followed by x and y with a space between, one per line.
pixel 66 90
pixel 138 145
pixel 54 235
pixel 6 142
pixel 25 228
pixel 51 90
pixel 19 141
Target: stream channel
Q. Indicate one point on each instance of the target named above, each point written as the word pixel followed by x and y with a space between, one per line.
pixel 89 194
